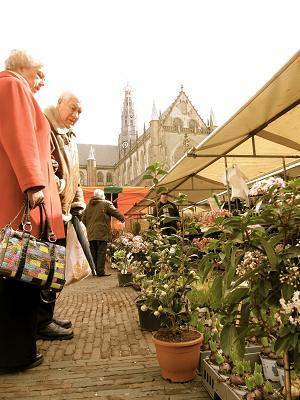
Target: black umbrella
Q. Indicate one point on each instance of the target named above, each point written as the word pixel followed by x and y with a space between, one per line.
pixel 84 242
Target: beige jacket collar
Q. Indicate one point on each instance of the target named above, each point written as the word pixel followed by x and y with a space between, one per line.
pixel 53 116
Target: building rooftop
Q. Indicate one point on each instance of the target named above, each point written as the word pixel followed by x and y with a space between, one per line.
pixel 104 154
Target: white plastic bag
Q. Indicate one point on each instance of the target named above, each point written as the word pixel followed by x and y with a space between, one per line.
pixel 77 266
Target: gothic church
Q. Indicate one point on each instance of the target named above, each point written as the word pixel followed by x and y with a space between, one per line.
pixel 169 136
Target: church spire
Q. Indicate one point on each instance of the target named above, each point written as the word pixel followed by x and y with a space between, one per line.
pixel 128 130
pixel 92 154
pixel 154 116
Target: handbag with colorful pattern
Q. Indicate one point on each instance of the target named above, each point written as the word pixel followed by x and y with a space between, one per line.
pixel 28 259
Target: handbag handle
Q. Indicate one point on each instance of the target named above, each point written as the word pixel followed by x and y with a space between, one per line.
pixel 26 222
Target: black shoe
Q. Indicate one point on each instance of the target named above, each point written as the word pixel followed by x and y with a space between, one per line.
pixel 36 362
pixel 54 332
pixel 64 323
pixel 104 274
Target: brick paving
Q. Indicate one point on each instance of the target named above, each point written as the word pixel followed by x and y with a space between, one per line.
pixel 109 358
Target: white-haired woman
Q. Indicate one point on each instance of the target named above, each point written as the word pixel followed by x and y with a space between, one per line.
pixel 26 170
pixel 97 219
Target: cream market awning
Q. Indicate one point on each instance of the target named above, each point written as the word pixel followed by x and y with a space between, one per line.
pixel 262 137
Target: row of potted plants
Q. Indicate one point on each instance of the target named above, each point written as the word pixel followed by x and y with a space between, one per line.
pixel 244 272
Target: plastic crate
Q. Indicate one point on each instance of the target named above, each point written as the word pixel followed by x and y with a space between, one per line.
pixel 251 353
pixel 212 382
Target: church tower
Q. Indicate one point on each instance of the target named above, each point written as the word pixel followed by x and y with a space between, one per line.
pixel 91 168
pixel 128 135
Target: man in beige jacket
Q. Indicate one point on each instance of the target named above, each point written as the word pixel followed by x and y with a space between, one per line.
pixel 62 118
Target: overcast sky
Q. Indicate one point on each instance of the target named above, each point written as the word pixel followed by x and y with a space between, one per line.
pixel 222 51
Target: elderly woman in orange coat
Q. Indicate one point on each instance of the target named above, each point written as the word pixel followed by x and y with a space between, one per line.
pixel 26 169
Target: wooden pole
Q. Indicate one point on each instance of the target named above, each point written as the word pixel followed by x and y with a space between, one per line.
pixel 287 376
pixel 227 184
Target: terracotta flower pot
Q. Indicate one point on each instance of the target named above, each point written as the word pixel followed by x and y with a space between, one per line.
pixel 178 360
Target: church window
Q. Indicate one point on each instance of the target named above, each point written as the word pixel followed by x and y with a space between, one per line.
pixel 179 152
pixel 109 179
pixel 100 180
pixel 193 125
pixel 177 123
pixel 82 179
pixel 142 161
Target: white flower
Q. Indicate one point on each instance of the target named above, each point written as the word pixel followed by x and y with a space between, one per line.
pixel 144 307
pixel 160 308
pixel 166 286
pixel 163 293
pixel 157 313
pixel 172 250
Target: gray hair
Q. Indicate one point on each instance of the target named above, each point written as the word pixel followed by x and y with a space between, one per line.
pixel 99 194
pixel 66 96
pixel 20 58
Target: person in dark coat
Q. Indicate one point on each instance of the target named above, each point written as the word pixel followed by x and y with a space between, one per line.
pixel 97 219
pixel 166 208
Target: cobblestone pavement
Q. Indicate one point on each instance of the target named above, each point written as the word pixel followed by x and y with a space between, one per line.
pixel 109 358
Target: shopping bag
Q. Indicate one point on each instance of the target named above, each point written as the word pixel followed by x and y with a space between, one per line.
pixel 77 266
pixel 29 259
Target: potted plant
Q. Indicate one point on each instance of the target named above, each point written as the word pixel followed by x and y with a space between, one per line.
pixel 258 291
pixel 177 344
pixel 166 295
pixel 122 261
pixel 259 389
pixel 240 371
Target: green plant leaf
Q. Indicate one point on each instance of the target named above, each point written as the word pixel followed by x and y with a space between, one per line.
pixel 147 176
pixel 282 344
pixel 236 296
pixel 297 363
pixel 245 314
pixel 161 172
pixel 231 268
pixel 212 230
pixel 169 219
pixel 287 291
pixel 216 291
pixel 161 189
pixel 272 257
pixel 229 341
pixel 151 168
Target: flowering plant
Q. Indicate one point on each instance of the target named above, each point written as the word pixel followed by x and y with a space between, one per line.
pixel 122 260
pixel 258 292
pixel 172 261
pixel 166 292
pixel 263 186
pixel 208 218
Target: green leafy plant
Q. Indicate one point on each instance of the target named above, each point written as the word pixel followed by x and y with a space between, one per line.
pixel 173 264
pixel 258 291
pixel 136 228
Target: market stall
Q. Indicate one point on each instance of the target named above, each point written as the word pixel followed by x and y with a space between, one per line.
pixel 122 197
pixel 261 138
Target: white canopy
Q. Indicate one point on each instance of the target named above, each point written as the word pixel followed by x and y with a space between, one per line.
pixel 262 137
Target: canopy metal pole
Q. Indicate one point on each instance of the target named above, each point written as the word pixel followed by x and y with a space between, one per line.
pixel 253 145
pixel 227 184
pixel 292 156
pixel 284 168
